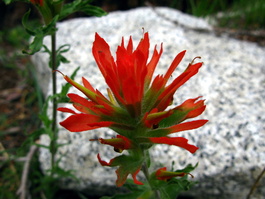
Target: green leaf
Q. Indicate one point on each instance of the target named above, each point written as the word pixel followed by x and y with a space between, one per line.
pixel 34 136
pixel 24 23
pixel 39 33
pixel 42 146
pixel 173 119
pixel 123 196
pixel 51 27
pixel 157 133
pixel 81 6
pixel 187 169
pixel 59 57
pixel 60 145
pixel 7 1
pixel 36 45
pixel 43 114
pixel 46 50
pixel 131 186
pixel 127 165
pixel 135 191
pixel 170 191
pixel 172 188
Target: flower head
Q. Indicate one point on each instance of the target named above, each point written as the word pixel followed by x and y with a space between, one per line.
pixel 137 103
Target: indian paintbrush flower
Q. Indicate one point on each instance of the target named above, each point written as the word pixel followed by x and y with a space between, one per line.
pixel 137 105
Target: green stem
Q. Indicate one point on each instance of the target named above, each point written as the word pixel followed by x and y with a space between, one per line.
pixel 54 102
pixel 147 176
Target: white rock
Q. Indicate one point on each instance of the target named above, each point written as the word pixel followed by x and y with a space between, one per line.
pixel 232 81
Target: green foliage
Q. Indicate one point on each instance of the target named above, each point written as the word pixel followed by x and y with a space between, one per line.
pixel 173 119
pixel 170 189
pixel 9 180
pixel 12 1
pixel 39 33
pixel 41 186
pixel 59 57
pixel 244 14
pixel 236 14
pixel 15 37
pixel 134 191
pixel 81 6
pixel 204 8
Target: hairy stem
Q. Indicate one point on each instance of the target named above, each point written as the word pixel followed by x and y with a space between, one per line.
pixel 54 102
pixel 147 176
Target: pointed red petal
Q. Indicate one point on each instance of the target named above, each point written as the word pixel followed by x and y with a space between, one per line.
pixel 196 112
pixel 88 85
pixel 130 46
pixel 153 63
pixel 176 141
pixel 174 64
pixel 83 105
pixel 167 94
pixel 134 177
pixel 83 122
pixel 102 55
pixel 66 110
pixel 78 99
pixel 102 162
pixel 186 126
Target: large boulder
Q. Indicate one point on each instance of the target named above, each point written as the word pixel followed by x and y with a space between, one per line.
pixel 232 81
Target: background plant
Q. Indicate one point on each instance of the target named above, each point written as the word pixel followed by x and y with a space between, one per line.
pixel 51 12
pixel 17 122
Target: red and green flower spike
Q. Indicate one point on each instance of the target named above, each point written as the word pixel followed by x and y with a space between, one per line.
pixel 137 105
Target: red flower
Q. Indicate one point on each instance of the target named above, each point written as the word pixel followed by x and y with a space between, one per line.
pixel 131 93
pixel 137 103
pixel 37 2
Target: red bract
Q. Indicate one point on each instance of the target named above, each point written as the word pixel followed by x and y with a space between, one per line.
pixel 137 103
pixel 163 174
pixel 177 141
pixel 119 143
pixel 127 165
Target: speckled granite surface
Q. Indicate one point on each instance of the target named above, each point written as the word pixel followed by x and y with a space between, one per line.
pixel 232 80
